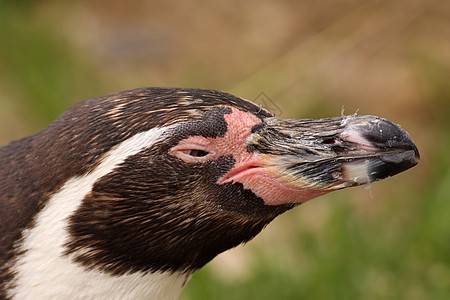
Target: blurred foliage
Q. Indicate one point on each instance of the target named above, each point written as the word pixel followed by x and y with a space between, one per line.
pixel 39 65
pixel 312 58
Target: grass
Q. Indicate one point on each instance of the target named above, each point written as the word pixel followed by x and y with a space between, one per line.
pixel 398 255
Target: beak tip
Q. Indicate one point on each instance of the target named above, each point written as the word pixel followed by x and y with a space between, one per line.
pixel 384 134
pixel 416 153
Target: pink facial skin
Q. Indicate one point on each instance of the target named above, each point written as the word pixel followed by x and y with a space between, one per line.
pixel 252 170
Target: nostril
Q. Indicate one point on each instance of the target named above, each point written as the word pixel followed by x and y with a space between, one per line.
pixel 329 141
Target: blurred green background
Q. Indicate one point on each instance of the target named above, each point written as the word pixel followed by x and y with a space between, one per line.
pixel 310 59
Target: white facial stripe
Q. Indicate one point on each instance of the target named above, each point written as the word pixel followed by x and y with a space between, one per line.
pixel 42 272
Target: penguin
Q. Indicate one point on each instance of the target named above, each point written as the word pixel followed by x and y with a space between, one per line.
pixel 127 195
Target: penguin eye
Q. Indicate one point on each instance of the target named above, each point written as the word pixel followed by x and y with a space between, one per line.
pixel 192 155
pixel 195 150
pixel 197 153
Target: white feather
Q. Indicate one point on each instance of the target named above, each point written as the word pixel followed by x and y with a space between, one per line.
pixel 42 272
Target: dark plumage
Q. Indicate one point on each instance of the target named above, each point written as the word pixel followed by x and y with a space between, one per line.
pixel 159 181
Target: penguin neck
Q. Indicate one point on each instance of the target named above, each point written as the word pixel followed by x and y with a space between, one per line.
pixel 78 283
pixel 40 268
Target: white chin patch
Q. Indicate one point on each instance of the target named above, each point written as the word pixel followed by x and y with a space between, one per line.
pixel 356 172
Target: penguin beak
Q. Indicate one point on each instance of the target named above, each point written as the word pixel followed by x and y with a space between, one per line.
pixel 333 153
